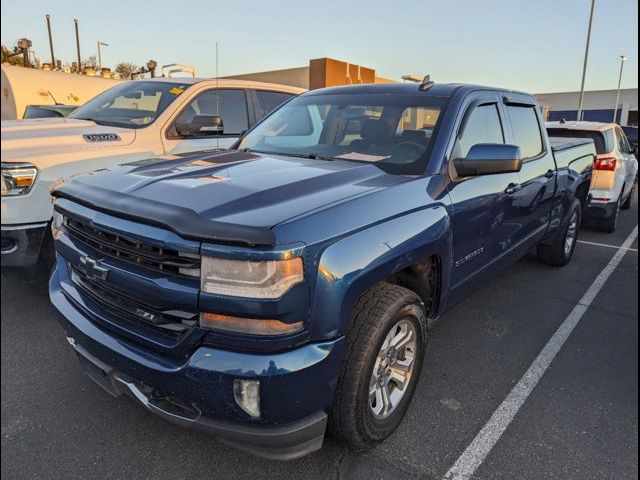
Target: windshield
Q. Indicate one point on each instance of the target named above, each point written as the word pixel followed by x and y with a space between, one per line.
pixel 393 131
pixel 130 104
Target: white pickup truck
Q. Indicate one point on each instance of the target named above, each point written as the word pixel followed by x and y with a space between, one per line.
pixel 131 121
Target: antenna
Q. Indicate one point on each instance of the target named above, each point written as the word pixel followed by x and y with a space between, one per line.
pixel 217 94
pixel 426 84
pixel 53 98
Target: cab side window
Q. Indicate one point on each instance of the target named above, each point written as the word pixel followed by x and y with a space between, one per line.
pixel 526 130
pixel 623 143
pixel 483 126
pixel 229 104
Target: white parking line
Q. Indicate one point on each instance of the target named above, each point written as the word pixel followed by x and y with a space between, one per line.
pixel 479 448
pixel 606 245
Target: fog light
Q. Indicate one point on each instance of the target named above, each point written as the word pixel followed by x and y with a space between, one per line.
pixel 247 395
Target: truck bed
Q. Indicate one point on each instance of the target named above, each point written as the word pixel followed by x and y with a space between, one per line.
pixel 568 150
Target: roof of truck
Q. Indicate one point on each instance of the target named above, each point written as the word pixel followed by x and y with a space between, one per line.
pixel 226 83
pixel 410 88
pixel 587 126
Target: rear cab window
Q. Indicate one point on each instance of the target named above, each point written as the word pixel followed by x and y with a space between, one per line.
pixel 525 129
pixel 602 140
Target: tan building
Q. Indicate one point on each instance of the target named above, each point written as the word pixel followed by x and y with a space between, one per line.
pixel 320 73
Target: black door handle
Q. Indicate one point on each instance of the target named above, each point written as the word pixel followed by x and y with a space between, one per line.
pixel 550 173
pixel 513 188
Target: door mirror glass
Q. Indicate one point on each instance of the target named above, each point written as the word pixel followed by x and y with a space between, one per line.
pixel 201 126
pixel 489 159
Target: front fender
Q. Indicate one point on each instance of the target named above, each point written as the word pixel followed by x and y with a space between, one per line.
pixel 352 265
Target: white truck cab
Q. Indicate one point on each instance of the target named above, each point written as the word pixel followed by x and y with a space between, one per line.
pixel 131 121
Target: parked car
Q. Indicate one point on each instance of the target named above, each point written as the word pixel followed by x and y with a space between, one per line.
pixel 270 291
pixel 131 121
pixel 614 172
pixel 48 111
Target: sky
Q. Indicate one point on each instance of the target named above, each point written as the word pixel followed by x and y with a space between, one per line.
pixel 535 45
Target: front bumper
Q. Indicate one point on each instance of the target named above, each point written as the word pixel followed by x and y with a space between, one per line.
pixel 296 386
pixel 21 244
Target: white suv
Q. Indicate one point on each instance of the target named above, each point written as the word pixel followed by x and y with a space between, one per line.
pixel 614 171
pixel 132 121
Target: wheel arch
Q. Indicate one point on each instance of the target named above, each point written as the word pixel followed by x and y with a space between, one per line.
pixel 400 251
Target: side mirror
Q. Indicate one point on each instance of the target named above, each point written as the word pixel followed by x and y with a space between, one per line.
pixel 489 159
pixel 201 126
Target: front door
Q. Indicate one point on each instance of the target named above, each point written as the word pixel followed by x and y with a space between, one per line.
pixel 230 104
pixel 484 208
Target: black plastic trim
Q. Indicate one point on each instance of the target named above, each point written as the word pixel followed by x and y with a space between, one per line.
pixel 180 220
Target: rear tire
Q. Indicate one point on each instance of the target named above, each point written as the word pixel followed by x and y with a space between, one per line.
pixel 385 345
pixel 627 204
pixel 560 250
pixel 609 224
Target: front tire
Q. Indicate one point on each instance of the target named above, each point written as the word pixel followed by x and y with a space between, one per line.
pixel 560 250
pixel 384 352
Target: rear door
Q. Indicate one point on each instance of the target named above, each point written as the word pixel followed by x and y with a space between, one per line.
pixel 538 174
pixel 484 209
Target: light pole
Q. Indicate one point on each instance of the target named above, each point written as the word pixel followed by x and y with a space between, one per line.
pixel 100 44
pixel 615 109
pixel 586 59
pixel 75 22
pixel 53 58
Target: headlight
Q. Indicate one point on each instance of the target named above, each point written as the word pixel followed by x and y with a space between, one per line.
pixel 57 225
pixel 17 178
pixel 253 279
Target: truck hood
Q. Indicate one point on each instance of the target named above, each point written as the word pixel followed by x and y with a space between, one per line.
pixel 226 187
pixel 37 140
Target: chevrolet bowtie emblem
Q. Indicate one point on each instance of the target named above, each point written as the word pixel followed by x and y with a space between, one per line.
pixel 92 269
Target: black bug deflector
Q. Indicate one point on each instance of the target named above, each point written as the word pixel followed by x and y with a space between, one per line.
pixel 180 220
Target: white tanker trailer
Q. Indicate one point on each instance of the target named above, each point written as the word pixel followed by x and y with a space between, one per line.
pixel 29 86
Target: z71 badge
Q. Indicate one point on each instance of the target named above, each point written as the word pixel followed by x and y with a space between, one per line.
pixel 101 137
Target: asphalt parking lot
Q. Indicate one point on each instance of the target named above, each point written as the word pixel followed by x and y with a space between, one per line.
pixel 579 422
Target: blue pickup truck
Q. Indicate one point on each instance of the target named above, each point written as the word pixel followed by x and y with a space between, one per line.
pixel 285 287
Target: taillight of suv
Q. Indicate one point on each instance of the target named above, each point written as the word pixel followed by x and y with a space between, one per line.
pixel 605 163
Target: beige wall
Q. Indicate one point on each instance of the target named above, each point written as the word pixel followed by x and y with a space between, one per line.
pixel 321 72
pixel 28 86
pixel 295 77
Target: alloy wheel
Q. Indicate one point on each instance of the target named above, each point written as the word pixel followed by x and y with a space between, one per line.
pixel 393 368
